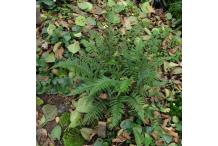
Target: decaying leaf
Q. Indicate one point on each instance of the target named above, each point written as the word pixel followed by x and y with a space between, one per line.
pixel 41 135
pixel 59 53
pixel 121 137
pixel 50 112
pixel 87 133
pixel 101 129
pixel 103 96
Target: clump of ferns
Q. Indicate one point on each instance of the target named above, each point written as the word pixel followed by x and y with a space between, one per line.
pixel 119 67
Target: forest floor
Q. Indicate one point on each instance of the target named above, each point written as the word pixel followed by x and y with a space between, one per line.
pixel 68 24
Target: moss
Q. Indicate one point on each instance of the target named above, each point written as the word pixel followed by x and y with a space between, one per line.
pixel 65 119
pixel 72 137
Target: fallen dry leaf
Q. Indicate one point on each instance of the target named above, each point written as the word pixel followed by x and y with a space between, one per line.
pixel 121 137
pixel 103 96
pixel 59 53
pixel 41 135
pixel 155 135
pixel 170 131
pixel 101 129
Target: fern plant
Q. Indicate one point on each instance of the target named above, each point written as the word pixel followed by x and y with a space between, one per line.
pixel 120 67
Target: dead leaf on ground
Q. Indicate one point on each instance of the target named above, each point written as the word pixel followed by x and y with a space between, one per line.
pixel 97 10
pixel 87 133
pixel 121 137
pixel 41 135
pixel 103 96
pixel 59 53
pixel 170 131
pixel 101 129
pixel 159 143
pixel 155 135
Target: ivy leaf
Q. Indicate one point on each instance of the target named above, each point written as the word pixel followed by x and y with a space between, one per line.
pixel 75 119
pixel 87 133
pixel 111 3
pixel 85 6
pixel 80 21
pixel 39 101
pixel 100 142
pixel 50 112
pixel 51 28
pixel 147 8
pixel 84 105
pixel 126 124
pixel 74 48
pixel 90 21
pixel 48 2
pixel 49 57
pixel 56 133
pixel 113 18
pixel 168 16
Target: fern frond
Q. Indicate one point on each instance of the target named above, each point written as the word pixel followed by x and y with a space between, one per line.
pixel 94 114
pixel 136 103
pixel 102 85
pixel 116 110
pixel 76 65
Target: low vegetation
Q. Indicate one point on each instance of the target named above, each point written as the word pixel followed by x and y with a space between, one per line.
pixel 108 73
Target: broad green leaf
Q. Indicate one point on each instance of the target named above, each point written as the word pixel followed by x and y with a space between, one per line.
pixel 173 144
pixel 78 35
pixel 126 124
pixel 48 2
pixel 167 138
pixel 39 101
pixel 168 16
pixel 74 48
pixel 84 105
pixel 75 119
pixel 80 21
pixel 51 28
pixel 175 119
pixel 113 18
pixel 137 131
pixel 111 3
pixel 56 46
pixel 85 6
pixel 87 133
pixel 56 133
pixel 49 57
pixel 90 21
pixel 118 8
pixel 50 112
pixel 147 8
pixel 100 142
pixel 177 70
pixel 42 121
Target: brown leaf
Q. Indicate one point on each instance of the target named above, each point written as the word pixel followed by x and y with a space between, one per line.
pixel 101 129
pixel 122 136
pixel 64 24
pixel 165 122
pixel 159 143
pixel 41 135
pixel 97 10
pixel 103 96
pixel 42 78
pixel 59 53
pixel 155 135
pixel 170 131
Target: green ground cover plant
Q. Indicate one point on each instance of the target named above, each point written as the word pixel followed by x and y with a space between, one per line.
pixel 108 73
